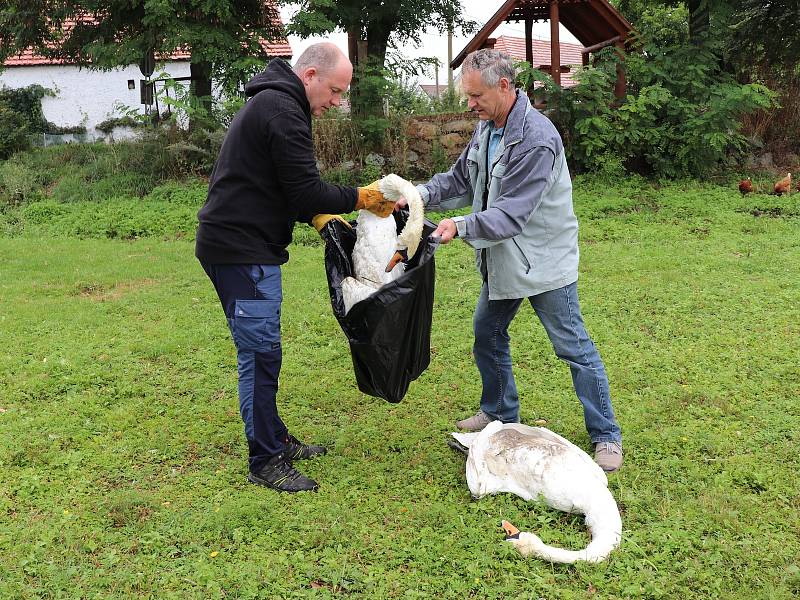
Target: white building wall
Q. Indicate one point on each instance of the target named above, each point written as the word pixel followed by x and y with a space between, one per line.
pixel 84 97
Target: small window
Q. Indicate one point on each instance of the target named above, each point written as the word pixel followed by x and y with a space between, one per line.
pixel 131 84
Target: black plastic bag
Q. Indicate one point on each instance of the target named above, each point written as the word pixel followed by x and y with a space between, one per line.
pixel 389 332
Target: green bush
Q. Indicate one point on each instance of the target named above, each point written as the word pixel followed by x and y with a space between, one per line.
pixel 680 117
pixel 191 193
pixel 368 174
pixel 449 102
pixel 27 102
pixel 128 184
pixel 195 151
pixel 71 188
pixel 13 132
pixel 109 125
pixel 405 97
pixel 75 172
pixel 96 172
pixel 18 183
pixel 340 176
pixel 305 235
pixel 117 218
pixel 439 161
pixel 39 213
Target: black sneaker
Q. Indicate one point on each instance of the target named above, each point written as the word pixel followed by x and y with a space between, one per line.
pixel 279 474
pixel 297 450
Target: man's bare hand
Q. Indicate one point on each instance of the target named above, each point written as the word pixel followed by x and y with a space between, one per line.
pixel 446 231
pixel 401 203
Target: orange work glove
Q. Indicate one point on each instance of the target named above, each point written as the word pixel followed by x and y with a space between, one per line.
pixel 371 198
pixel 319 221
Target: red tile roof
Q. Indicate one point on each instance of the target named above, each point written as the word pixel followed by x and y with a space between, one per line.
pixel 28 58
pixel 515 46
pixel 570 54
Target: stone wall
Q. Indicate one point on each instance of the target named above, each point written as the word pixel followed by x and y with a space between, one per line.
pixel 435 141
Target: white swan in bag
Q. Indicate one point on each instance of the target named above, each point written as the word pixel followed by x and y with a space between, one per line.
pixel 379 252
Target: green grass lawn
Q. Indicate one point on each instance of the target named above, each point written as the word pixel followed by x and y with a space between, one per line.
pixel 123 456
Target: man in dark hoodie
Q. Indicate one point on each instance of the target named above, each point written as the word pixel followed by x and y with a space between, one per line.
pixel 265 179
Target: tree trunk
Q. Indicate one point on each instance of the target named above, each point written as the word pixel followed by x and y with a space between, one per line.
pixel 368 85
pixel 377 41
pixel 699 21
pixel 353 40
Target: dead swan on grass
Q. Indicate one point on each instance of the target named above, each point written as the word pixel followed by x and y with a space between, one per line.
pixel 379 250
pixel 534 462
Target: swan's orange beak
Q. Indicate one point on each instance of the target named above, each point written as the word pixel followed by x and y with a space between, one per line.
pixel 399 256
pixel 512 533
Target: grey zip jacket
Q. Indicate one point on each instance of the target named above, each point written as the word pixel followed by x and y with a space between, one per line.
pixel 528 228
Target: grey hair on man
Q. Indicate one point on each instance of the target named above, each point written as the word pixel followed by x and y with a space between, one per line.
pixel 493 65
pixel 323 56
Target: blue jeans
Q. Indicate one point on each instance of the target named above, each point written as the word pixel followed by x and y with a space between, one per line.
pixel 560 314
pixel 251 297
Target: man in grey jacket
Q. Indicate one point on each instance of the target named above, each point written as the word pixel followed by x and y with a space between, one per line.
pixel 514 174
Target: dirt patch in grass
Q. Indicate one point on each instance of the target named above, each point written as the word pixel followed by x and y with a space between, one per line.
pixel 99 292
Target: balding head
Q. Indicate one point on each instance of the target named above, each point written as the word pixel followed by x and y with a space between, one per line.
pixel 324 57
pixel 326 73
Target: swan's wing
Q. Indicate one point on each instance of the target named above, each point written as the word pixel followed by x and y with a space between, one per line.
pixel 465 439
pixel 541 433
pixel 353 292
pixel 535 432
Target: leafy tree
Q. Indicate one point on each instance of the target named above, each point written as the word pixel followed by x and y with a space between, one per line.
pixel 406 98
pixel 373 29
pixel 673 22
pixel 221 36
pixel 755 34
pixel 752 38
pixel 766 33
pixel 681 115
pixel 658 23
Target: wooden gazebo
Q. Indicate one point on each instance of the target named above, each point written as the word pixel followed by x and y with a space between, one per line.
pixel 595 23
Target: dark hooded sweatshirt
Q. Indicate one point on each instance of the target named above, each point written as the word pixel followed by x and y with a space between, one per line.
pixel 266 176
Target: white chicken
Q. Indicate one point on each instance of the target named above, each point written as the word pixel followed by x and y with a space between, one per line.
pixel 378 244
pixel 534 462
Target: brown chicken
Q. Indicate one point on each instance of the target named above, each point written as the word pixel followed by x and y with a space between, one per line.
pixel 784 186
pixel 745 186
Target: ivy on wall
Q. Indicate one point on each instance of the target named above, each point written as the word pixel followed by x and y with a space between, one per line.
pixel 13 132
pixel 27 102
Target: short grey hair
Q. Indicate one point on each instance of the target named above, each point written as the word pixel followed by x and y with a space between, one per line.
pixel 493 65
pixel 324 57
